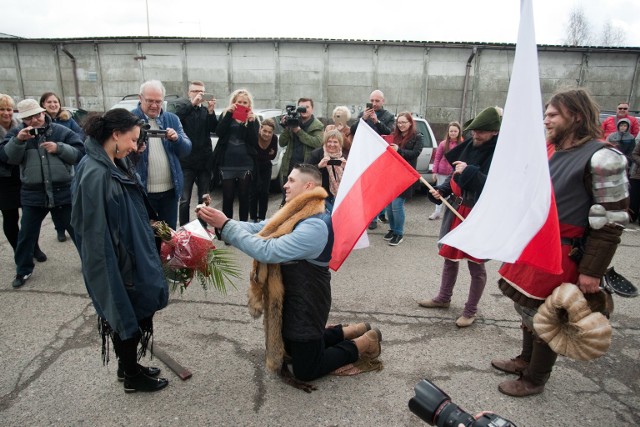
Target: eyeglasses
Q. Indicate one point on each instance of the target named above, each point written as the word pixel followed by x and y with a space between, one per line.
pixel 152 101
pixel 35 116
pixel 196 91
pixel 623 108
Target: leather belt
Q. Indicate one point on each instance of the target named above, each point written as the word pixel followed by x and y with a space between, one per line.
pixel 455 200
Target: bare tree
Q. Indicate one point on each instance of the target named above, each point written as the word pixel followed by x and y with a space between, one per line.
pixel 578 28
pixel 612 36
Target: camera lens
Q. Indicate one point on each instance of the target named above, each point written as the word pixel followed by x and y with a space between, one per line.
pixel 427 401
pixel 434 407
pixel 451 414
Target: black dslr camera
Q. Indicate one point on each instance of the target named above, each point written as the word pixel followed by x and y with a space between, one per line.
pixel 435 408
pixel 292 118
pixel 146 132
pixel 37 131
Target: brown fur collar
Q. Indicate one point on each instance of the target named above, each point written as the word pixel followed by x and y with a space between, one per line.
pixel 64 115
pixel 266 291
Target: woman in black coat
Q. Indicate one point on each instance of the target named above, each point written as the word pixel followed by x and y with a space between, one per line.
pixel 235 154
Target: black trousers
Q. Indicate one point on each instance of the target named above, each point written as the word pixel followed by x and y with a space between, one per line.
pixel 260 191
pixel 126 352
pixel 314 359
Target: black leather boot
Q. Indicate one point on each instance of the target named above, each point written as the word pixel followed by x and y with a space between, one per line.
pixel 143 382
pixel 150 371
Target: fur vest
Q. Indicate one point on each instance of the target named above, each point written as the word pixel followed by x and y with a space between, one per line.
pixel 266 290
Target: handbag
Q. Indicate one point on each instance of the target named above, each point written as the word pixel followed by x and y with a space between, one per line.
pixel 615 283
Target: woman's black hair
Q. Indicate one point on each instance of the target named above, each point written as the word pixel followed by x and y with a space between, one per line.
pixel 101 127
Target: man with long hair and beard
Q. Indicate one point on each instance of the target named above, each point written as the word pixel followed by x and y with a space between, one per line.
pixel 587 176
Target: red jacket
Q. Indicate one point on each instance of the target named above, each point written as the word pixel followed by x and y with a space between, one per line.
pixel 610 125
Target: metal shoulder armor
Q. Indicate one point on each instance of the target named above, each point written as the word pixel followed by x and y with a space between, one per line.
pixel 609 176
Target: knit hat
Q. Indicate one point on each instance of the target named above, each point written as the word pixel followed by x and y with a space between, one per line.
pixel 28 107
pixel 488 119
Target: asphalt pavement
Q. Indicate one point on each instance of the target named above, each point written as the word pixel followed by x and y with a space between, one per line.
pixel 52 374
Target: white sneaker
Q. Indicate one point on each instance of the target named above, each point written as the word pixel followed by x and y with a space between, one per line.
pixel 435 215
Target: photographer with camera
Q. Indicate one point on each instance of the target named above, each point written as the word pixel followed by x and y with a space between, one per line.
pixel 199 120
pixel 10 182
pixel 380 120
pixel 159 165
pixel 46 153
pixel 302 134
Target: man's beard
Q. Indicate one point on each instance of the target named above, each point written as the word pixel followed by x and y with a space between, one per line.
pixel 560 133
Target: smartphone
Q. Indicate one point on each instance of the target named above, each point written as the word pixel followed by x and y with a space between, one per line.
pixel 334 162
pixel 36 131
pixel 369 105
pixel 208 97
pixel 241 113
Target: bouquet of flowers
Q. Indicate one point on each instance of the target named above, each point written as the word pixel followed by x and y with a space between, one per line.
pixel 189 253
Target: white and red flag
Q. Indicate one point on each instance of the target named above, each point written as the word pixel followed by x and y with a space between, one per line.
pixel 515 219
pixel 375 174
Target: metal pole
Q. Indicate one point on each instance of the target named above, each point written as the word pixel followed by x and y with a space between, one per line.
pixel 74 68
pixel 148 30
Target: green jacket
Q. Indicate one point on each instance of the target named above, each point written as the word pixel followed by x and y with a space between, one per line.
pixel 310 139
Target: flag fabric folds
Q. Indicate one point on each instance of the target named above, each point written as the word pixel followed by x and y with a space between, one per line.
pixel 375 174
pixel 515 219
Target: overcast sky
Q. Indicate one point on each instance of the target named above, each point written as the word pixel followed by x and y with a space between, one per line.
pixel 418 20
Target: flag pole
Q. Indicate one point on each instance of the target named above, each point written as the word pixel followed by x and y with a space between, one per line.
pixel 430 187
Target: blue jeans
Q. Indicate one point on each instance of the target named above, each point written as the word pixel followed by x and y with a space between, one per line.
pixel 395 215
pixel 201 178
pixel 31 222
pixel 165 206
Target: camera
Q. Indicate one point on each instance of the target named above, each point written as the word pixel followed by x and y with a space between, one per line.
pixel 435 408
pixel 334 162
pixel 292 117
pixel 36 131
pixel 146 132
pixel 369 105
